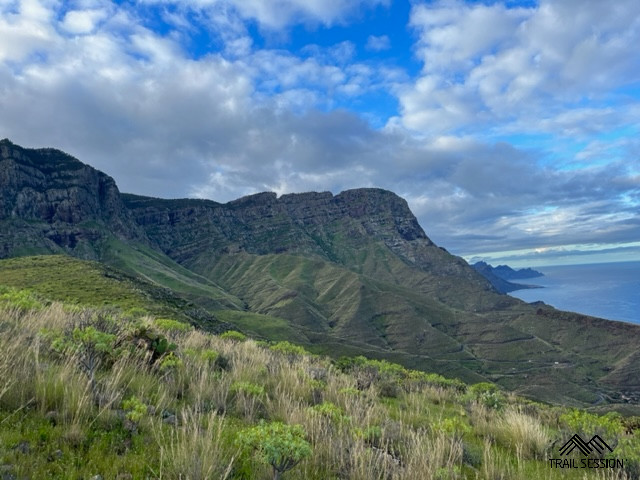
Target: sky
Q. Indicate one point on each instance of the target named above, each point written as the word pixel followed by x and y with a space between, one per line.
pixel 511 128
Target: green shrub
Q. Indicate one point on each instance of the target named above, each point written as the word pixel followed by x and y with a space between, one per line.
pixel 417 378
pixel 289 349
pixel 134 409
pixel 141 334
pixel 372 435
pixel 172 326
pixel 453 426
pixel 169 362
pixel 21 299
pixel 233 335
pixel 209 356
pixel 248 400
pixel 629 449
pixel 472 454
pixel 365 371
pixel 136 312
pixel 487 394
pixel 586 424
pixel 389 389
pixel 277 444
pixel 331 411
pixel 247 388
pixel 482 388
pixel 350 391
pixel 90 346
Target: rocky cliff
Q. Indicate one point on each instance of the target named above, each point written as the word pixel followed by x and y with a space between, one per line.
pixel 51 202
pixel 308 223
pixel 341 229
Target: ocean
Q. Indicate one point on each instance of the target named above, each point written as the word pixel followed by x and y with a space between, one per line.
pixel 606 290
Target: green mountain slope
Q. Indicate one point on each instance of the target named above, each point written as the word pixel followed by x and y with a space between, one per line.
pixel 92 284
pixel 352 273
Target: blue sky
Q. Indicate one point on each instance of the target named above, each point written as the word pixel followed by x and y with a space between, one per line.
pixel 511 128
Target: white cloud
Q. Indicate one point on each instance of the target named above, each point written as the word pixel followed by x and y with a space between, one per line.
pixel 378 43
pixel 485 66
pixel 82 21
pixel 25 28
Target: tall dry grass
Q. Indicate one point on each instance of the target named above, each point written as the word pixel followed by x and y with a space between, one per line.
pixel 364 436
pixel 195 449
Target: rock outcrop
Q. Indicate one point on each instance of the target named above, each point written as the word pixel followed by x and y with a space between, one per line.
pixel 321 224
pixel 51 202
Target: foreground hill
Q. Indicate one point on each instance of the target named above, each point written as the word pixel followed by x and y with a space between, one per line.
pixel 346 274
pixel 90 393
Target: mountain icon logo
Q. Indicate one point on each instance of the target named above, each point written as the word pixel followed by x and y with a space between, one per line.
pixel 595 444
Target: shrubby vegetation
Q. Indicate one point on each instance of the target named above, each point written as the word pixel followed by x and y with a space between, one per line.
pixel 277 444
pixel 95 392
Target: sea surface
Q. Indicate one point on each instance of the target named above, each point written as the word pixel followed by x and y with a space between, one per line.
pixel 606 290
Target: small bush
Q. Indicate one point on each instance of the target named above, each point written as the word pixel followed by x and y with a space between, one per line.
pixel 419 379
pixel 143 335
pixel 89 346
pixel 371 435
pixel 629 449
pixel 248 399
pixel 172 326
pixel 21 299
pixel 487 394
pixel 277 444
pixel 233 335
pixel 587 424
pixel 453 427
pixel 247 388
pixel 289 349
pixel 330 411
pixel 350 391
pixel 389 389
pixel 472 454
pixel 134 409
pixel 169 362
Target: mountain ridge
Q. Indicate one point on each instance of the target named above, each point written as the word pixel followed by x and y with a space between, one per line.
pixel 65 196
pixel 500 277
pixel 351 273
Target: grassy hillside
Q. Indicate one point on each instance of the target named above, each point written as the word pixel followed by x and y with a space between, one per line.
pixel 542 354
pixel 93 284
pixel 90 393
pixel 143 262
pixel 389 309
pixel 346 274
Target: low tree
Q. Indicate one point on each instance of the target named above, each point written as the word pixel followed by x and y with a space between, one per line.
pixel 280 445
pixel 89 344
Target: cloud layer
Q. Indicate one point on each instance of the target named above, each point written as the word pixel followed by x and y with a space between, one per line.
pixel 519 131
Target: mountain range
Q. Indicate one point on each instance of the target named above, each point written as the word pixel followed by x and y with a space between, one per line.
pixel 500 277
pixel 346 274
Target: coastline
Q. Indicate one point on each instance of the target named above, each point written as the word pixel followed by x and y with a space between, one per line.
pixel 603 290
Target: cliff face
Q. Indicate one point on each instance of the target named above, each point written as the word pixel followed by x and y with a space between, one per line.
pixel 331 227
pixel 370 232
pixel 263 223
pixel 53 202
